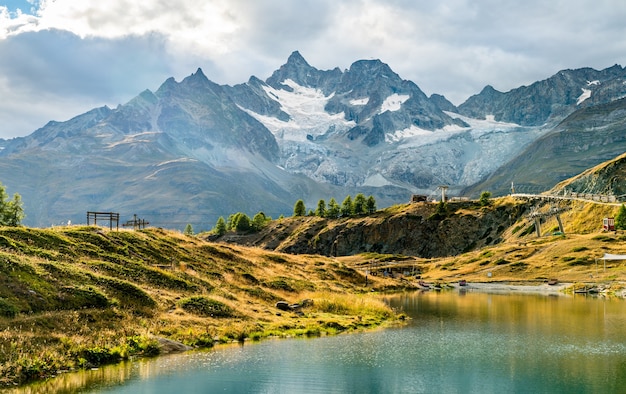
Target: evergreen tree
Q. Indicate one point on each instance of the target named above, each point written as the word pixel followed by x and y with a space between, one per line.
pixel 13 211
pixel 370 205
pixel 259 221
pixel 241 222
pixel 620 218
pixel 299 209
pixel 321 209
pixel 188 229
pixel 230 224
pixel 358 206
pixel 346 206
pixel 484 198
pixel 220 226
pixel 333 210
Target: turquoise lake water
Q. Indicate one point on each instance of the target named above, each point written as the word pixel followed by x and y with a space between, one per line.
pixel 454 343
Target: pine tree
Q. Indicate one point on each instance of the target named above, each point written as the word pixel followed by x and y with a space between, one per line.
pixel 299 209
pixel 321 209
pixel 370 205
pixel 346 207
pixel 13 211
pixel 259 221
pixel 188 229
pixel 220 226
pixel 485 198
pixel 241 222
pixel 333 209
pixel 358 206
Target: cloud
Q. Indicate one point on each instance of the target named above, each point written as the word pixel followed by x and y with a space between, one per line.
pixel 57 75
pixel 69 55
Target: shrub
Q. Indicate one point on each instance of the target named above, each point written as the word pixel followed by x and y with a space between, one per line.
pixel 279 284
pixel 99 355
pixel 7 309
pixel 204 306
pixel 581 261
pixel 83 298
pixel 485 198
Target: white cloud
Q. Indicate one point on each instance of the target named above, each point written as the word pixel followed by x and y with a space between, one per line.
pixel 94 51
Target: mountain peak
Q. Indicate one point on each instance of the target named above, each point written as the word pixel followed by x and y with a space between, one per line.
pixel 372 68
pixel 199 74
pixel 296 69
pixel 297 59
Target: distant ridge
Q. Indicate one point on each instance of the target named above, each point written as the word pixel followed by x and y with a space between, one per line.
pixel 194 150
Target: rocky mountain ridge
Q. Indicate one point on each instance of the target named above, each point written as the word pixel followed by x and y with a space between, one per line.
pixel 587 137
pixel 193 150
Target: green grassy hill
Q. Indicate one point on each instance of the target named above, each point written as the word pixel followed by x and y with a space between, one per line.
pixel 78 297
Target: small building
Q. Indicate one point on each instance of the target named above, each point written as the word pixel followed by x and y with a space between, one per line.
pixel 608 224
pixel 419 198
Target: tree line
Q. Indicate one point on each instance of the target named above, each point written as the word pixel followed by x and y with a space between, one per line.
pixel 241 222
pixel 348 208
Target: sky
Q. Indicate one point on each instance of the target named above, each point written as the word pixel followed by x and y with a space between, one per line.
pixel 61 58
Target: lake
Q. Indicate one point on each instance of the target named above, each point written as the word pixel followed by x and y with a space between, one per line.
pixel 454 343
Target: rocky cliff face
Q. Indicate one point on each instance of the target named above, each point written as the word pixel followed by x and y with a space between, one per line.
pixel 418 229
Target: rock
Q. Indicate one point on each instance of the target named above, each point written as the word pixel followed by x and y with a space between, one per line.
pixel 168 346
pixel 283 306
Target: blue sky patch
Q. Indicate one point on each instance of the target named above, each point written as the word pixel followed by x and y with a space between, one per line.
pixel 13 5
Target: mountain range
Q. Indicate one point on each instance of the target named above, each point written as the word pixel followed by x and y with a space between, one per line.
pixel 194 150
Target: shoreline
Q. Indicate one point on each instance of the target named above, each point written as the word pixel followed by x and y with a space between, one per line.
pixel 560 289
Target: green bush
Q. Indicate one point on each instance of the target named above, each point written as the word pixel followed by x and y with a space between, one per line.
pixel 279 284
pixel 204 306
pixel 99 355
pixel 7 309
pixel 88 297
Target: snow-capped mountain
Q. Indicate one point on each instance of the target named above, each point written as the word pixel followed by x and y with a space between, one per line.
pixel 194 150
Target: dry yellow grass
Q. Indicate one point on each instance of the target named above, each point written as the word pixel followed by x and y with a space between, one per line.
pixel 78 297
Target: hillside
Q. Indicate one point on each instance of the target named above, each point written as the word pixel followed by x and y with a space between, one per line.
pixel 586 138
pixel 78 297
pixel 419 229
pixel 606 178
pixel 468 241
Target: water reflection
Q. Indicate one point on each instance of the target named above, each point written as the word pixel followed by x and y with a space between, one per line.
pixel 472 343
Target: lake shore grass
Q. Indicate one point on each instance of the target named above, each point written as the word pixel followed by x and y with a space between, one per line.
pixel 80 297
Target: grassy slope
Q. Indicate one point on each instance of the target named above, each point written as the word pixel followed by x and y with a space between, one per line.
pixel 83 296
pixel 522 256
